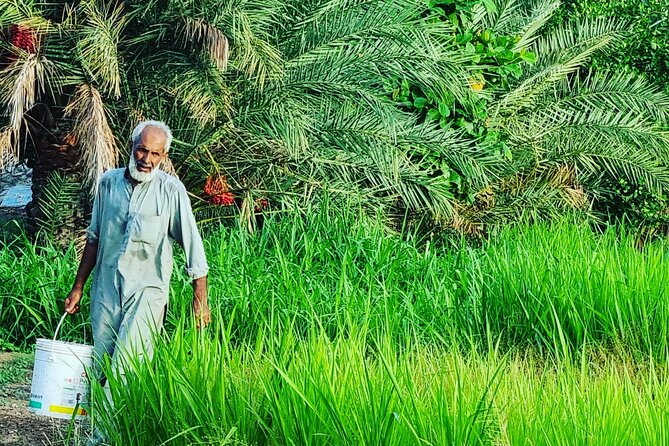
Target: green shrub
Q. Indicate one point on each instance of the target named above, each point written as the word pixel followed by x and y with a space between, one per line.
pixel 646 46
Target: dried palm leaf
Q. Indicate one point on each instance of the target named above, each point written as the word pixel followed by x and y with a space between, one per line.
pixel 97 145
pixel 59 204
pixel 213 39
pixel 204 93
pixel 7 155
pixel 168 167
pixel 20 85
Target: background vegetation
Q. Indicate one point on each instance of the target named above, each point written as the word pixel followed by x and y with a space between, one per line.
pixel 643 51
pixel 463 114
pixel 550 288
pixel 645 48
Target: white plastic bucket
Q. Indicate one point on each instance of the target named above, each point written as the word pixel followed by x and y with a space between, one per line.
pixel 60 385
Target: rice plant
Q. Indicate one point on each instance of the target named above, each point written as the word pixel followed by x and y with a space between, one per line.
pixel 328 330
pixel 202 388
pixel 551 287
pixel 33 284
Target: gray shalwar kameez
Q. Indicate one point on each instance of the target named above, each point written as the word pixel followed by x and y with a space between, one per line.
pixel 134 229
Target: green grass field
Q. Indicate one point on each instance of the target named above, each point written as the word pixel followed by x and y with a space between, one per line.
pixel 328 330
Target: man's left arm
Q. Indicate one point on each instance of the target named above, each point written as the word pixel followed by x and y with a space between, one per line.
pixel 183 229
pixel 200 302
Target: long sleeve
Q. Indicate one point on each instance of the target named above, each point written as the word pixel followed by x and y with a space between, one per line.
pixel 183 229
pixel 93 229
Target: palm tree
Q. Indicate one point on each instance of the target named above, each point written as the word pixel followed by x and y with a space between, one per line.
pixel 36 81
pixel 280 99
pixel 311 115
pixel 569 128
pixel 286 101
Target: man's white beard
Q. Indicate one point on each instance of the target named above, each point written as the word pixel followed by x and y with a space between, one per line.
pixel 141 176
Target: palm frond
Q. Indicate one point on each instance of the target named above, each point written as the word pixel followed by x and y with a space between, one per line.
pixel 10 13
pixel 97 145
pixel 542 123
pixel 20 85
pixel 368 41
pixel 522 18
pixel 216 43
pixel 204 93
pixel 365 64
pixel 621 155
pixel 350 153
pixel 14 12
pixel 576 37
pixel 206 213
pixel 281 122
pixel 58 203
pixel 609 108
pixel 544 192
pixel 612 92
pixel 495 15
pixel 384 176
pixel 339 21
pixel 561 53
pixel 244 24
pixel 98 46
pixel 460 154
pixel 254 54
pixel 610 124
pixel 532 22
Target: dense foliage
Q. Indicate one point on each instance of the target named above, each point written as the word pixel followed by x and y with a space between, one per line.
pixel 645 48
pixel 464 113
pixel 328 330
pixel 550 287
pixel 294 107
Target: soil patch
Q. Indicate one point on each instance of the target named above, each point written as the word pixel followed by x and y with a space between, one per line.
pixel 19 427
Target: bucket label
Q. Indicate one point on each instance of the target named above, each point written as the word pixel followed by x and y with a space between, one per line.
pixel 66 410
pixel 77 381
pixel 35 404
pixel 71 396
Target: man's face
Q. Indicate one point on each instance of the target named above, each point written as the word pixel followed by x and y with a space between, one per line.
pixel 147 154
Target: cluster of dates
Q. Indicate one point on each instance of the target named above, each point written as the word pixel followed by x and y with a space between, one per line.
pixel 22 37
pixel 218 189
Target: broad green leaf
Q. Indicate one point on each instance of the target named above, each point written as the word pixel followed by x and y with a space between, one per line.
pixel 420 102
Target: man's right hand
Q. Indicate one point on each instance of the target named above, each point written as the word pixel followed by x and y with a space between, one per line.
pixel 72 301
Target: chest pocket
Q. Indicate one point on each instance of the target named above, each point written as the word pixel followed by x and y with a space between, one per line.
pixel 148 229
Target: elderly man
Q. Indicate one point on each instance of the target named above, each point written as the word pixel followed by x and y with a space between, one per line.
pixel 137 213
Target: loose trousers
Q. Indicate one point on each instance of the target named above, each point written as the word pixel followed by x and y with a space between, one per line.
pixel 124 329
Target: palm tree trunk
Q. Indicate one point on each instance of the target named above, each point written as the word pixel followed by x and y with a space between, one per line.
pixel 56 212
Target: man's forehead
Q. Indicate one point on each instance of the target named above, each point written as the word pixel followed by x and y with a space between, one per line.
pixel 153 137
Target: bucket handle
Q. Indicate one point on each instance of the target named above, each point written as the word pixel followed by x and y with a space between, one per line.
pixel 62 319
pixel 55 335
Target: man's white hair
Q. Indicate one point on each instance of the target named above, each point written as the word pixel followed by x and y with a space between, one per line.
pixel 161 125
